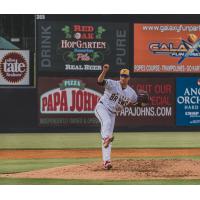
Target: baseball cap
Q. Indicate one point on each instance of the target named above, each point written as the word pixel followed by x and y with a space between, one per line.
pixel 125 72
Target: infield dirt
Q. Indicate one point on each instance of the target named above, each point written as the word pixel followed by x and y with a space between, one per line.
pixel 96 153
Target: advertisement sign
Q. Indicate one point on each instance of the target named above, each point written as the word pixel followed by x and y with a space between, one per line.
pixel 188 101
pixel 160 112
pixel 14 67
pixel 63 46
pixel 66 102
pixel 71 103
pixel 169 48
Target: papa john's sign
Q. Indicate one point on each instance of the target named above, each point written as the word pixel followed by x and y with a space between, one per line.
pixel 62 100
pixel 70 97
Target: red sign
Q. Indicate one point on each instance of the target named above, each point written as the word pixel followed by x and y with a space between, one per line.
pixel 161 110
pixel 71 102
pixel 68 101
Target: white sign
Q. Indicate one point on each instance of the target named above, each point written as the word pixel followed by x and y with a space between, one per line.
pixel 14 67
pixel 69 101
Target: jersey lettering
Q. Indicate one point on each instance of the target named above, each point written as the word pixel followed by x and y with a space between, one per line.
pixel 123 101
pixel 114 97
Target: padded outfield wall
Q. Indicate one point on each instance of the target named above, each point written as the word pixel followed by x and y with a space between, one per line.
pixel 59 57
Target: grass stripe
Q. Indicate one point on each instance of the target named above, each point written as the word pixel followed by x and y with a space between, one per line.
pixel 23 165
pixel 23 181
pixel 93 140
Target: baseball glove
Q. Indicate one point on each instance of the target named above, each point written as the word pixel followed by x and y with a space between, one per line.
pixel 143 98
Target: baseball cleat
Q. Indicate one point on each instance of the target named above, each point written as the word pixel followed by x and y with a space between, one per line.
pixel 107 141
pixel 107 165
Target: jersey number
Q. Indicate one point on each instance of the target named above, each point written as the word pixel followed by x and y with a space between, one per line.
pixel 114 97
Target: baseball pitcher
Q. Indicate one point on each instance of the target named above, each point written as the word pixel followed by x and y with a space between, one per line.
pixel 117 95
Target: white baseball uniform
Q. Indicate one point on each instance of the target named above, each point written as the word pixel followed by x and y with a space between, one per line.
pixel 113 100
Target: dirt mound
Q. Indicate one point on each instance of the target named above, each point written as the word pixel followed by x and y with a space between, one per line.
pixel 122 170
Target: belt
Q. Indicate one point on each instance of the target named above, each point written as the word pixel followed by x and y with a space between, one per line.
pixel 107 108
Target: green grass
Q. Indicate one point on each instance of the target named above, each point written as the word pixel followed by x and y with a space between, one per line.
pixel 23 181
pixel 93 140
pixel 22 165
pixel 89 140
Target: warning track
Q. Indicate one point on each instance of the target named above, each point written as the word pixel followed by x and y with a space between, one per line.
pixel 96 153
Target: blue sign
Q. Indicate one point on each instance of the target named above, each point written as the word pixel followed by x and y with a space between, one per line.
pixel 188 101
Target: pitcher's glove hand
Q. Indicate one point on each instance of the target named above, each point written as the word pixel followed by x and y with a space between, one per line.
pixel 143 98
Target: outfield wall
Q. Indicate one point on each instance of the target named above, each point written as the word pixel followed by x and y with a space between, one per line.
pixel 59 58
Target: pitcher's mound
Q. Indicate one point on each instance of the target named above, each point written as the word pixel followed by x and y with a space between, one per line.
pixel 122 170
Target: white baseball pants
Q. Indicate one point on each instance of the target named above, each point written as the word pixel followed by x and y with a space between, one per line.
pixel 107 120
